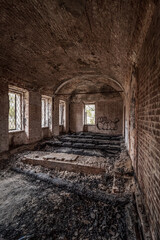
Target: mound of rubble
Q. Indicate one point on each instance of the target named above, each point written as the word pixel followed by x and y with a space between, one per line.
pixel 56 194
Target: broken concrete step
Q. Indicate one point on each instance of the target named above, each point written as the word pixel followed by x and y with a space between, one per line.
pixel 111 138
pixel 75 140
pixel 61 156
pixel 106 146
pixel 66 144
pixel 83 145
pixel 93 146
pixel 64 166
pixel 92 141
pixel 89 152
pixel 52 143
pixel 82 150
pixel 86 145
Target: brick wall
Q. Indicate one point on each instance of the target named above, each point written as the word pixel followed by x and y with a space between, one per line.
pixel 148 171
pixel 4 117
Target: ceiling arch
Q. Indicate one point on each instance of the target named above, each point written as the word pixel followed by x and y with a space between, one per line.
pixel 96 81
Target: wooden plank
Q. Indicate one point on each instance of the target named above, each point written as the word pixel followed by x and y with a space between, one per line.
pixel 64 166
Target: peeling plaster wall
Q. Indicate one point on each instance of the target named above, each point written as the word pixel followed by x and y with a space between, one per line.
pixel 107 105
pixel 131 114
pixel 32 131
pixel 34 116
pixel 17 138
pixel 56 128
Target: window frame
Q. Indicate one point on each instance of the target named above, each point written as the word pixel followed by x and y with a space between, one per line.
pixel 19 92
pixel 46 114
pixel 64 113
pixel 85 123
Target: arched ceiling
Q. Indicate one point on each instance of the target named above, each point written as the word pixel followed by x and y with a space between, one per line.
pixel 78 90
pixel 89 84
pixel 45 43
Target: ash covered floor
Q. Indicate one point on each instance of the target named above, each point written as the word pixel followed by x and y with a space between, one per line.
pixel 41 203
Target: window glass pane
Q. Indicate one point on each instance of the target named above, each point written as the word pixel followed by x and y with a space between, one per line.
pixel 42 112
pixel 45 112
pixel 61 113
pixel 90 114
pixel 12 111
pixel 18 112
pixel 15 111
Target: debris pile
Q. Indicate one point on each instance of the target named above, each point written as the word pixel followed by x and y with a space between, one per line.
pixel 51 203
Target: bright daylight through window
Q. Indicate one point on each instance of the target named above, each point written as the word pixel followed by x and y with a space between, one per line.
pixel 15 111
pixel 45 112
pixel 61 113
pixel 89 115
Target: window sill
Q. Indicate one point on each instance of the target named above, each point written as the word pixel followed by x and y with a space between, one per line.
pixel 16 131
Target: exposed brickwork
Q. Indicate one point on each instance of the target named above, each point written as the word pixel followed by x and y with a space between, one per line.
pixel 44 43
pixel 71 48
pixel 3 117
pixel 149 123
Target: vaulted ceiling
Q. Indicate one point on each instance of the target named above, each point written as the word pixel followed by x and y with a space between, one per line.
pixel 44 43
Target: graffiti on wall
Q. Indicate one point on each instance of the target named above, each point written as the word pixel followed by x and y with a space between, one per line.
pixel 103 123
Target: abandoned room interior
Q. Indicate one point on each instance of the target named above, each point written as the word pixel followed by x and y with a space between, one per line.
pixel 80 120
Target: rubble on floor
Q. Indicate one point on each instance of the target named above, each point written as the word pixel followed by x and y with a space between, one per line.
pixel 39 211
pixel 42 203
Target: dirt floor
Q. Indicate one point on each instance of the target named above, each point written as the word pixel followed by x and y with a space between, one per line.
pixel 40 203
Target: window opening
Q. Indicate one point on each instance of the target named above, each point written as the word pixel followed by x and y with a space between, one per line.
pixel 45 112
pixel 61 113
pixel 89 115
pixel 15 111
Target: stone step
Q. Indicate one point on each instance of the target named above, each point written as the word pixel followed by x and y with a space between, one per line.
pixel 105 148
pixel 94 136
pixel 86 152
pixel 79 151
pixel 92 141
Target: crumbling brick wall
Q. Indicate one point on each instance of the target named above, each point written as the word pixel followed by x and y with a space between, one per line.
pixel 149 123
pixel 4 116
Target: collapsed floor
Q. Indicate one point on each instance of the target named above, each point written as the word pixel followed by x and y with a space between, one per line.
pixel 92 199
